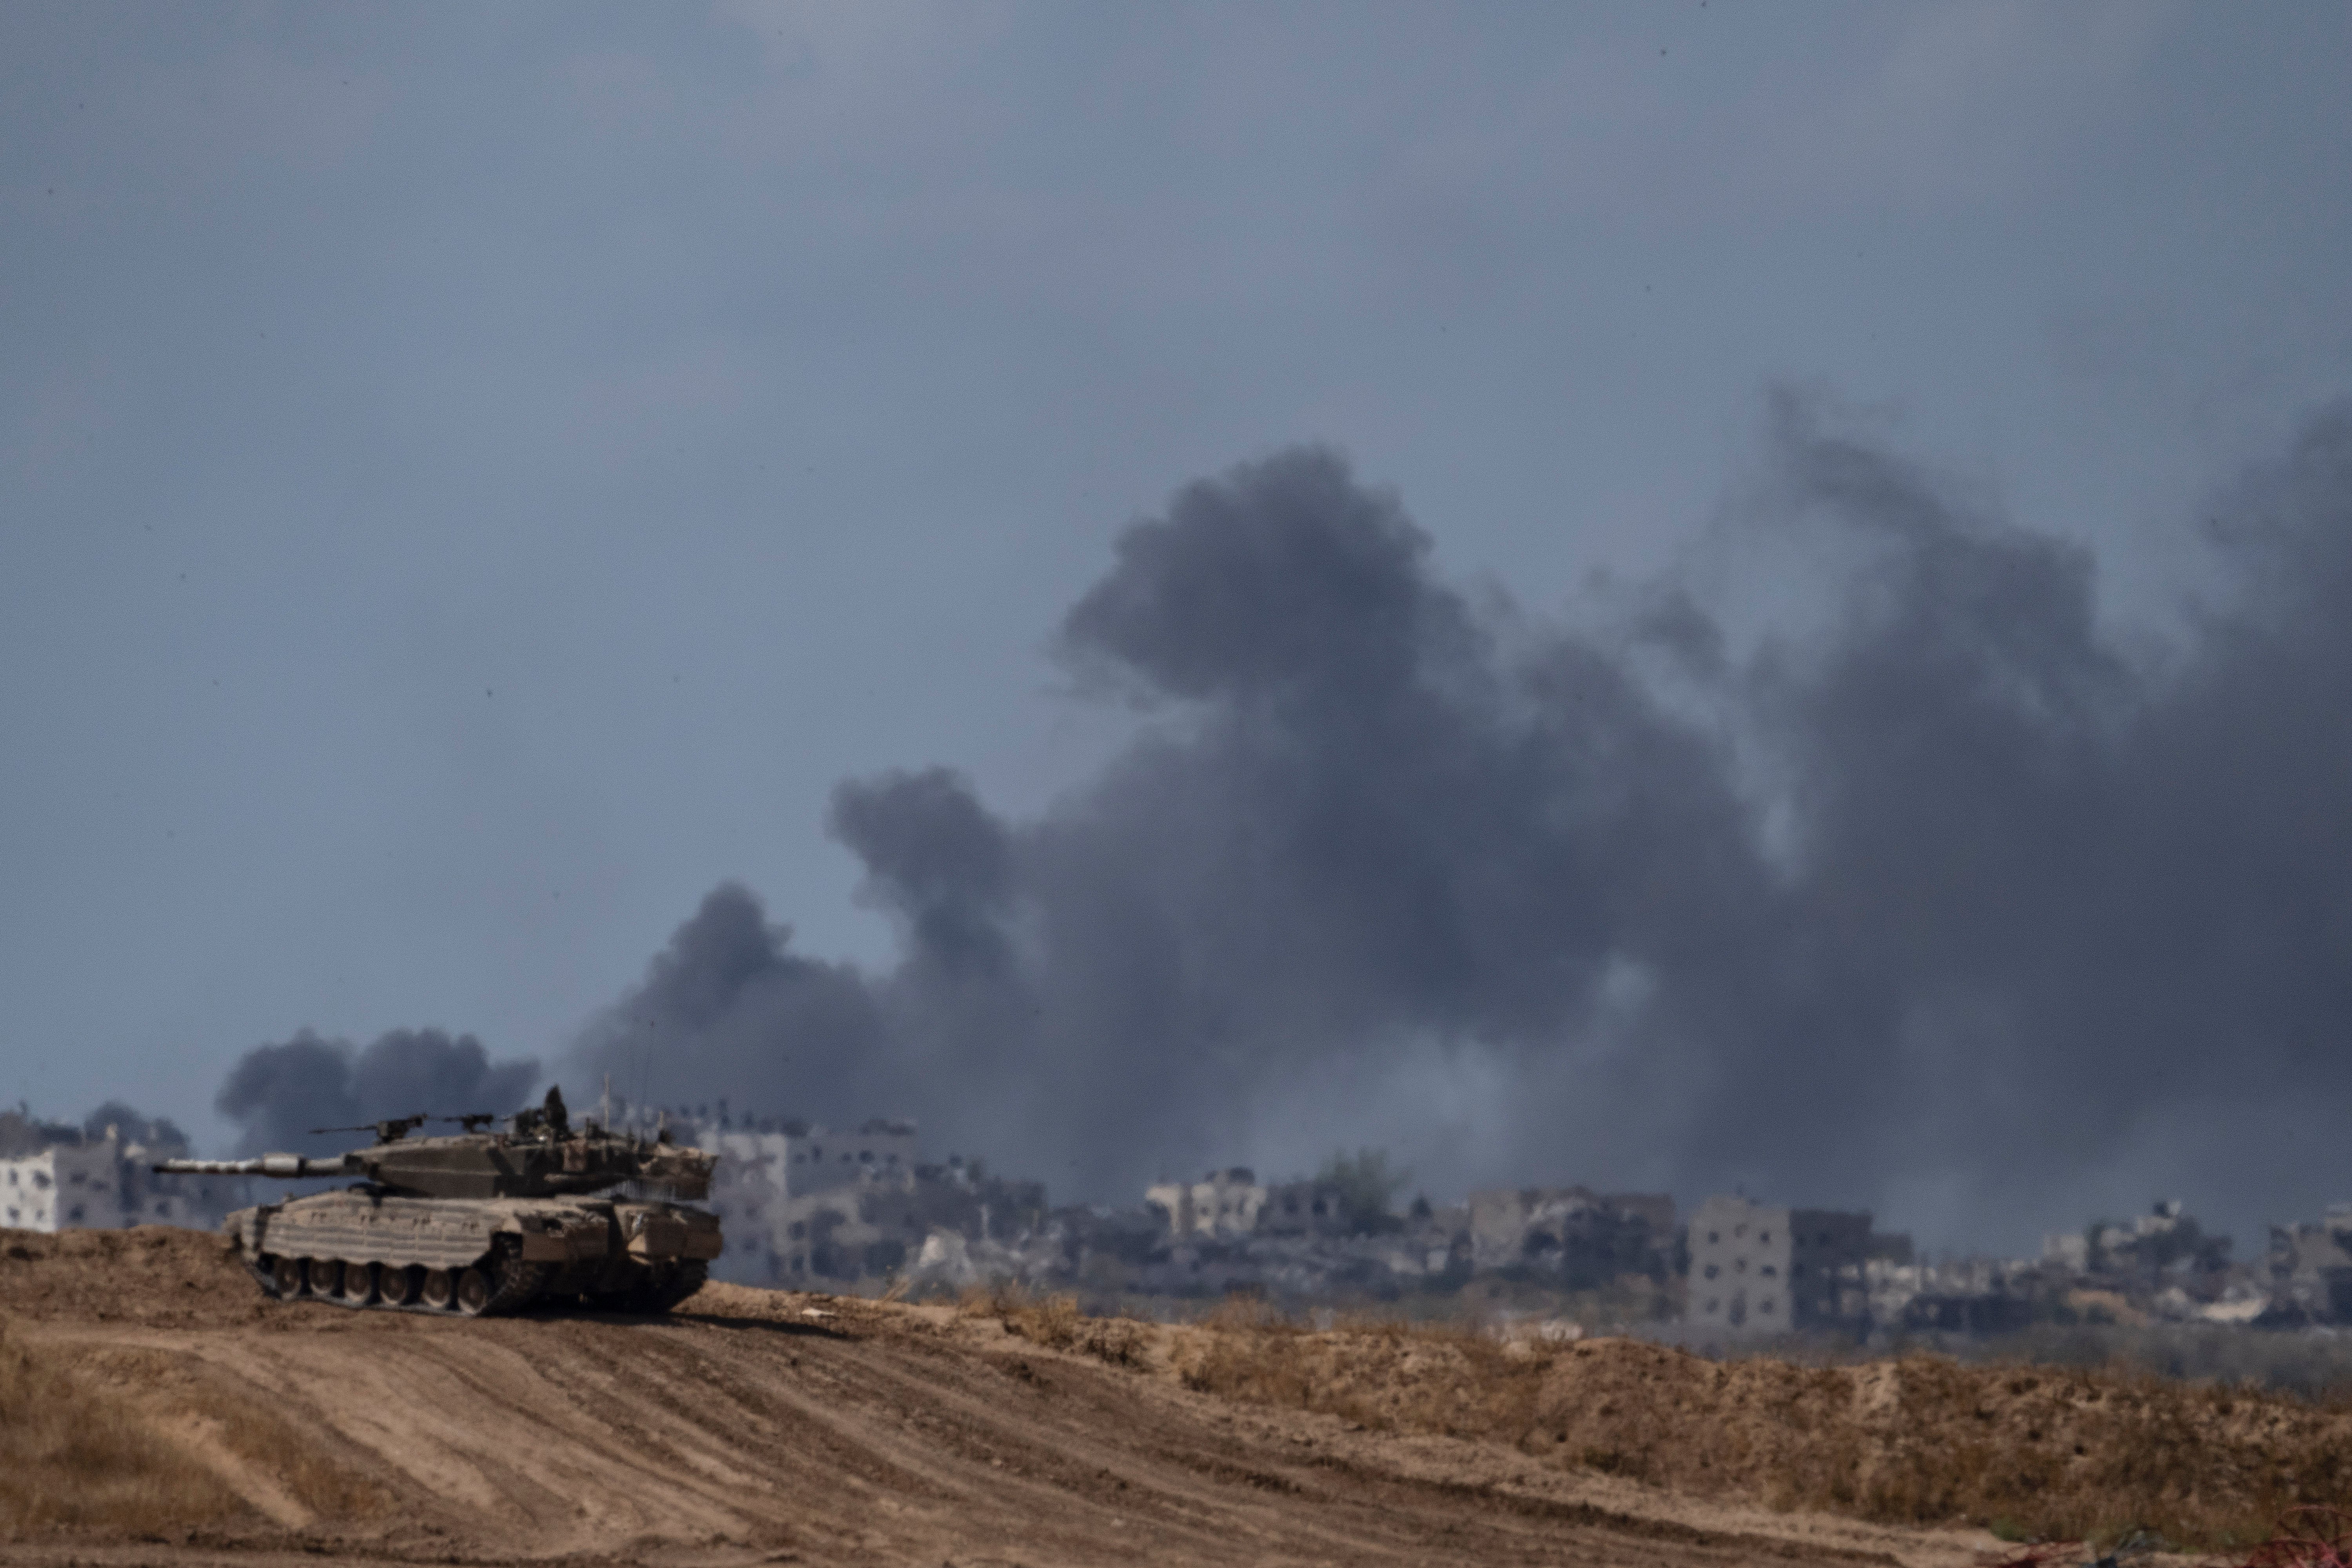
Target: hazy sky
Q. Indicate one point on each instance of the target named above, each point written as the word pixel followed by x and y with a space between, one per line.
pixel 471 481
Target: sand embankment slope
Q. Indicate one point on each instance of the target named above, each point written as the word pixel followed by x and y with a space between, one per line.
pixel 768 1427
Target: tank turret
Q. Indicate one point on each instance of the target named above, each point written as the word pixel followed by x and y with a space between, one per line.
pixel 480 1222
pixel 535 1163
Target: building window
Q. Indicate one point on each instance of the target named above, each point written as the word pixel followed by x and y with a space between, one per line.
pixel 1765 1305
pixel 1767 1271
pixel 1764 1236
pixel 1713 1238
pixel 1712 1270
pixel 1711 1305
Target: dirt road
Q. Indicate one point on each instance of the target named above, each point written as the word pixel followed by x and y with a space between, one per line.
pixel 756 1427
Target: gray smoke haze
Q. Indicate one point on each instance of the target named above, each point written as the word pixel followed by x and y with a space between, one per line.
pixel 277 1094
pixel 1944 898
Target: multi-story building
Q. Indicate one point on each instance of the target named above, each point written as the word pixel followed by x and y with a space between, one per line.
pixel 1221 1205
pixel 103 1183
pixel 1304 1208
pixel 64 1187
pixel 2311 1267
pixel 784 1195
pixel 1760 1269
pixel 800 1203
pixel 795 1160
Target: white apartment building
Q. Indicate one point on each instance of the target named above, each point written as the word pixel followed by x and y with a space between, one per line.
pixel 765 1180
pixel 766 1166
pixel 63 1188
pixel 98 1185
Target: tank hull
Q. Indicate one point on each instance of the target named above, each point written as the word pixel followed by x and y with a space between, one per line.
pixel 475 1257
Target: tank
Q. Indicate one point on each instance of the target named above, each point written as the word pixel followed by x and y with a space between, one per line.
pixel 482 1223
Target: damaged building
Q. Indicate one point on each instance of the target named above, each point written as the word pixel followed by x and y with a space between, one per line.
pixel 1761 1268
pixel 809 1206
pixel 1233 1202
pixel 2165 1237
pixel 782 1192
pixel 58 1177
pixel 800 1203
pixel 2310 1269
pixel 1583 1237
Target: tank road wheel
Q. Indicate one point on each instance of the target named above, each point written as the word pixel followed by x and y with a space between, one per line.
pixel 324 1276
pixel 286 1278
pixel 359 1284
pixel 437 1289
pixel 395 1286
pixel 507 1283
pixel 473 1293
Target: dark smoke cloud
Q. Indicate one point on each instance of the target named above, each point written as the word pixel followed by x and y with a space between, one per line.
pixel 133 1125
pixel 728 993
pixel 1939 900
pixel 278 1093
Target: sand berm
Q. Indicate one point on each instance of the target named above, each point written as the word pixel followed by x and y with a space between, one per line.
pixel 155 1408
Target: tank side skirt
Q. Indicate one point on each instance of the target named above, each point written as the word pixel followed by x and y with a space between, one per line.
pixel 318 1235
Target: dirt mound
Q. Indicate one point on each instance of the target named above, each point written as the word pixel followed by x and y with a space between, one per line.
pixel 759 1427
pixel 150 1274
pixel 148 1389
pixel 2057 1453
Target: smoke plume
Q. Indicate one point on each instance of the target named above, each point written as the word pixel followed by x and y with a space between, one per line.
pixel 1944 898
pixel 279 1094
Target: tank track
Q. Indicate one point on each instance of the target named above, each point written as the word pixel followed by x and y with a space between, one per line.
pixel 513 1285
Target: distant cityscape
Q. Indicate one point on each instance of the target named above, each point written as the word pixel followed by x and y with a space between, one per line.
pixel 813 1207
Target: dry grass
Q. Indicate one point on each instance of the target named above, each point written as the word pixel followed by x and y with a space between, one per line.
pixel 74 1458
pixel 2041 1452
pixel 264 1444
pixel 1057 1323
pixel 130 1441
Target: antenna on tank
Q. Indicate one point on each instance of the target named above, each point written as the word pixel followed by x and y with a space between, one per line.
pixel 606 1117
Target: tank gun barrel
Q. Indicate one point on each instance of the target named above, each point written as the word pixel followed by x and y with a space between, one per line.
pixel 290 1166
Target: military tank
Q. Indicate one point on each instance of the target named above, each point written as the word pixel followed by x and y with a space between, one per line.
pixel 482 1223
